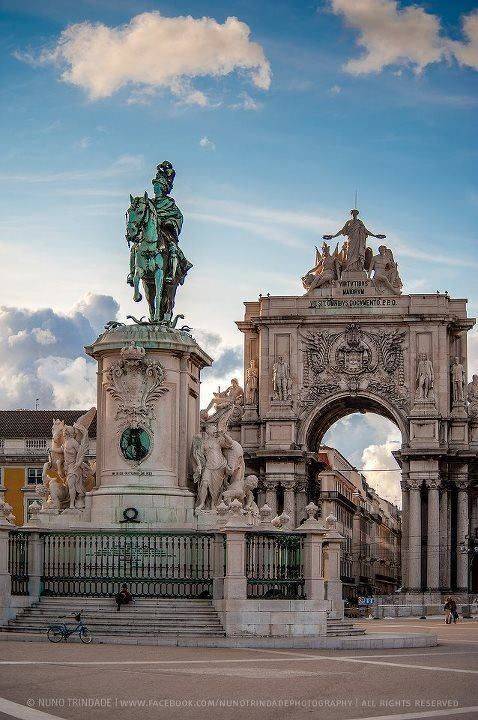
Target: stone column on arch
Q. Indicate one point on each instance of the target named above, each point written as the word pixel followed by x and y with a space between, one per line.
pixel 271 494
pixel 301 487
pixel 289 500
pixel 433 534
pixel 444 546
pixel 356 543
pixel 462 532
pixel 261 493
pixel 415 534
pixel 405 542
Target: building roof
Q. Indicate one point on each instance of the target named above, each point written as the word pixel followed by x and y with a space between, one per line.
pixel 37 423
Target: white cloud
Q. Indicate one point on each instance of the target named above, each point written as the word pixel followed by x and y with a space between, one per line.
pixel 473 352
pixel 122 166
pixel 228 363
pixel 335 90
pixel 42 356
pixel 97 309
pixel 466 53
pixel 43 337
pixel 246 103
pixel 392 35
pixel 381 469
pixel 367 441
pixel 72 382
pixel 153 51
pixel 206 143
pixel 83 143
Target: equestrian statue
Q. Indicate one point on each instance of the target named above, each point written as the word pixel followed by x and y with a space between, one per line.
pixel 156 260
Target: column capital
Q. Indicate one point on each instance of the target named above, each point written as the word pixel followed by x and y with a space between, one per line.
pixel 269 484
pixel 301 486
pixel 288 484
pixel 432 483
pixel 405 485
pixel 462 484
pixel 415 483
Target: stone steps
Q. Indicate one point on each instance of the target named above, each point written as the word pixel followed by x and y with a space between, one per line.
pixel 162 616
pixel 108 630
pixel 341 628
pixel 137 603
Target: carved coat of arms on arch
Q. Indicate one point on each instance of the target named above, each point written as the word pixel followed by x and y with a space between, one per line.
pixel 352 352
pixel 135 382
pixel 353 360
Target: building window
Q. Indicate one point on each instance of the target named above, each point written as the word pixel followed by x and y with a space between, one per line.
pixel 36 444
pixel 34 475
pixel 2 443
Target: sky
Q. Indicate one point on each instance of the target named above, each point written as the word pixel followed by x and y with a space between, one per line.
pixel 274 114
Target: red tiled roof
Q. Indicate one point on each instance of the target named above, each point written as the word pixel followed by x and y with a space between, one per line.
pixel 37 423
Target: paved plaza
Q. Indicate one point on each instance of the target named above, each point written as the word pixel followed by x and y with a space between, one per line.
pixel 40 681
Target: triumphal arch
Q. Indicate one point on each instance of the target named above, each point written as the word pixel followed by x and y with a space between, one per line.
pixel 353 341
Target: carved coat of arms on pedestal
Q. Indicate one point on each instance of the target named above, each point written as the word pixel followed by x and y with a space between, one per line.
pixel 353 360
pixel 135 382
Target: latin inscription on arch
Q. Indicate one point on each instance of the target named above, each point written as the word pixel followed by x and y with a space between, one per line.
pixel 327 303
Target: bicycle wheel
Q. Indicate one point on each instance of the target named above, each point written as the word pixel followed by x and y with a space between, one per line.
pixel 85 636
pixel 55 635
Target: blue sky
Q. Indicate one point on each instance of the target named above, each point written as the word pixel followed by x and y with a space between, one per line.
pixel 270 134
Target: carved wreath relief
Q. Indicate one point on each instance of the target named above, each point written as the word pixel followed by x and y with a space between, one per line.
pixel 354 360
pixel 135 382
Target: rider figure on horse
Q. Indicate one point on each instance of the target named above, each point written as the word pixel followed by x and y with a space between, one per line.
pixel 169 224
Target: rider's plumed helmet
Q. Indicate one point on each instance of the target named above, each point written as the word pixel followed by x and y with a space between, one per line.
pixel 165 173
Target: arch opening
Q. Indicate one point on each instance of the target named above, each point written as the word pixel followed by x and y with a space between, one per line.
pixel 356 478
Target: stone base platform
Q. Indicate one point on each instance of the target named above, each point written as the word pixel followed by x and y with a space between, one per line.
pixel 363 642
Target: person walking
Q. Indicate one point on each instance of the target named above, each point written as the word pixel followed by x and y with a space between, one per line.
pixel 451 611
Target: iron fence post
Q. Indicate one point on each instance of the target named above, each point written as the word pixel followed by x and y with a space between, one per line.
pixel 5 579
pixel 35 565
pixel 219 565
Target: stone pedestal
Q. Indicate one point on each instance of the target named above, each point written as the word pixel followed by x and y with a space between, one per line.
pixel 148 413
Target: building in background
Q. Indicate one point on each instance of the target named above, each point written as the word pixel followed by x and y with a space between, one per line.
pixel 370 524
pixel 25 439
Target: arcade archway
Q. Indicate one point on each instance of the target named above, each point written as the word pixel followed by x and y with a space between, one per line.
pixel 370 520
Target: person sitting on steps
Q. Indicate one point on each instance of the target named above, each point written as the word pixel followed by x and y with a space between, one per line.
pixel 124 597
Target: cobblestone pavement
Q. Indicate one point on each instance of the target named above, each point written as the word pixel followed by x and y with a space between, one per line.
pixel 42 681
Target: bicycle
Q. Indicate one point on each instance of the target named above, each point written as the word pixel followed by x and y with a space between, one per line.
pixel 57 633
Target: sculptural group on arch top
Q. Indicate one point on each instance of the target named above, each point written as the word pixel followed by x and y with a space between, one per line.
pixel 354 261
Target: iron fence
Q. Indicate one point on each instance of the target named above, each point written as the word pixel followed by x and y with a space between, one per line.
pixel 18 561
pixel 159 564
pixel 275 565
